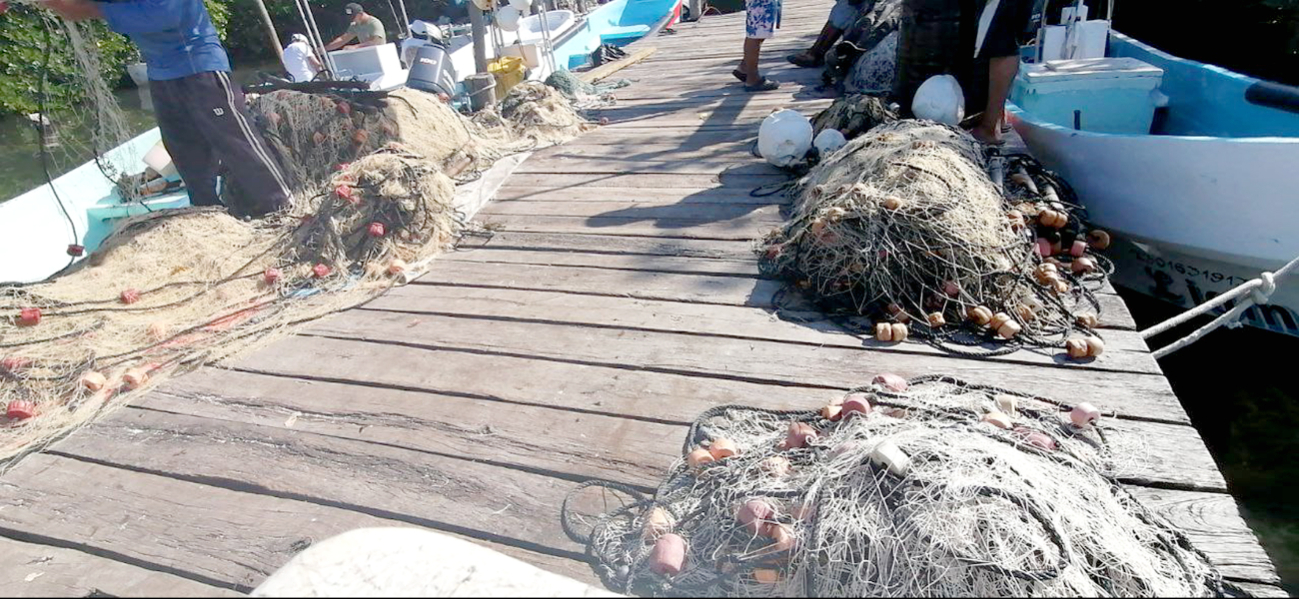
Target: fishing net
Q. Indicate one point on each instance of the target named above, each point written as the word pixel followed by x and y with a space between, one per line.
pixel 174 290
pixel 904 226
pixel 941 489
pixel 853 115
pixel 582 94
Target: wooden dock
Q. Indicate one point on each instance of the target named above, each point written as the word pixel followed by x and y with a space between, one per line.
pixel 618 298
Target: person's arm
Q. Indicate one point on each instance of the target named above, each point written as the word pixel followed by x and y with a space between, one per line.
pixel 74 10
pixel 339 41
pixel 374 41
pixel 315 62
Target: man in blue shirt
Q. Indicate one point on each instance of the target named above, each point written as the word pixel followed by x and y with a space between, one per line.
pixel 202 115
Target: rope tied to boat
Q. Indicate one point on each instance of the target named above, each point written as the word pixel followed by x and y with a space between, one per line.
pixel 1255 292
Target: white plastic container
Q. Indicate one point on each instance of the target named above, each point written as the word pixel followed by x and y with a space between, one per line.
pixel 1103 95
pixel 159 160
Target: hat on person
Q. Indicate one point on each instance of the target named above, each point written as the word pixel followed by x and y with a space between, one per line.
pixel 298 37
pixel 353 8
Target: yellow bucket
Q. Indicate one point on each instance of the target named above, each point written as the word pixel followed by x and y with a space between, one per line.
pixel 509 71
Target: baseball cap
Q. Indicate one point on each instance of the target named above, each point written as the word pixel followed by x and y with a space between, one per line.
pixel 352 8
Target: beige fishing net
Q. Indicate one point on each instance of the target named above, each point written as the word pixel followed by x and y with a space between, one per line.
pixel 174 290
pixel 904 227
pixel 927 488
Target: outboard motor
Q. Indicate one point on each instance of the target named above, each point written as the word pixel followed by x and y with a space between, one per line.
pixel 432 71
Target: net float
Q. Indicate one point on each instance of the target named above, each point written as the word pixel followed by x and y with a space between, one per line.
pixel 883 332
pixel 1084 414
pixel 12 364
pixel 1007 404
pixel 274 118
pixel 20 409
pixel 1009 329
pixel 891 457
pixel 800 434
pixel 936 320
pixel 344 192
pixel 669 555
pixel 951 288
pixel 831 413
pixel 272 276
pixel 76 250
pixel 377 230
pixel 1043 247
pixel 129 296
pixel 979 315
pixel 1025 313
pixel 341 166
pixel 700 456
pixel 765 576
pixel 776 466
pixel 1016 219
pixel 29 317
pixel 723 448
pixel 158 331
pixel 93 381
pixel 857 404
pixel 1078 249
pixel 1023 179
pixel 899 332
pixel 1035 438
pixel 318 137
pixel 320 271
pixel 1076 348
pixel 1082 265
pixel 998 420
pixel 782 536
pixel 604 121
pixel 343 108
pixel 774 251
pixel 890 381
pixel 657 523
pixel 998 319
pixel 1095 347
pixel 893 203
pixel 1060 286
pixel 397 266
pixel 360 137
pixel 1099 239
pixel 754 515
pixel 1045 272
pixel 1087 320
pixel 134 378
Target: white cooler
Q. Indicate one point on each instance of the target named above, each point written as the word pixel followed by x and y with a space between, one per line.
pixel 1103 95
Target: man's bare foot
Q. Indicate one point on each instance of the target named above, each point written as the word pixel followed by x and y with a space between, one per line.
pixel 988 135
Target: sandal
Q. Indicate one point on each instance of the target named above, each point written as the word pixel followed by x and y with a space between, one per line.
pixel 738 74
pixel 765 85
pixel 805 60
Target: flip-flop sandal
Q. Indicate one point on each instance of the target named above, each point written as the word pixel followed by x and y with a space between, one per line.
pixel 765 85
pixel 802 60
pixel 738 74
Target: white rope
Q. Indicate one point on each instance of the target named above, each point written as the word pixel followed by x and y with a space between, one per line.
pixel 1251 293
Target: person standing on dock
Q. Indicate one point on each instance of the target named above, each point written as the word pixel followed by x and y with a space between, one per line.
pixel 842 16
pixel 762 19
pixel 1001 23
pixel 366 29
pixel 201 114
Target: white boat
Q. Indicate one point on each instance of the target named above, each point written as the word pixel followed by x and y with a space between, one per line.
pixel 1194 167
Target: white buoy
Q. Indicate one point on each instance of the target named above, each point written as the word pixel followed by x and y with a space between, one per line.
pixel 521 5
pixel 940 99
pixel 507 18
pixel 785 137
pixel 828 141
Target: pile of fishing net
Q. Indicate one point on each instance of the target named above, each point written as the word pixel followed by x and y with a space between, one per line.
pixel 904 226
pixel 171 291
pixel 924 488
pixel 583 94
pixel 853 115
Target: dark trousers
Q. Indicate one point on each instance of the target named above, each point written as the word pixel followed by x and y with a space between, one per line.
pixel 205 126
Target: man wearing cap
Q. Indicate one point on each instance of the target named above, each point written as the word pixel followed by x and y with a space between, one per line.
pixel 367 30
pixel 300 60
pixel 201 114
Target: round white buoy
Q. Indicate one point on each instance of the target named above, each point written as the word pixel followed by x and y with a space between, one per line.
pixel 940 99
pixel 507 18
pixel 485 5
pixel 784 137
pixel 828 141
pixel 521 5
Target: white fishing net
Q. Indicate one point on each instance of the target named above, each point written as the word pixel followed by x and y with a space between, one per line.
pixel 919 494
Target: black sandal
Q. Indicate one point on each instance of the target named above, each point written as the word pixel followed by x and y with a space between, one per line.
pixel 803 60
pixel 765 85
pixel 738 74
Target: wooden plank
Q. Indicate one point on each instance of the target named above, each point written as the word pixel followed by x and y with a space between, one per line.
pixel 383 415
pixel 621 147
pixel 34 570
pixel 730 180
pixel 1261 590
pixel 741 228
pixel 637 210
pixel 741 250
pixel 218 536
pixel 508 198
pixel 1215 524
pixel 605 70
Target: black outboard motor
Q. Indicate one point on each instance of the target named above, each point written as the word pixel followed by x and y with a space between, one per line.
pixel 432 71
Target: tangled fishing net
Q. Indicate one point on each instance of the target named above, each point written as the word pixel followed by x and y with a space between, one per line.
pixel 904 226
pixel 373 204
pixel 927 488
pixel 853 115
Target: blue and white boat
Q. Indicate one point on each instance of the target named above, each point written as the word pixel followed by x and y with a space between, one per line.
pixel 1193 167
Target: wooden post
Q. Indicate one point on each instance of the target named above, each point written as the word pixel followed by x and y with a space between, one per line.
pixel 270 29
pixel 480 37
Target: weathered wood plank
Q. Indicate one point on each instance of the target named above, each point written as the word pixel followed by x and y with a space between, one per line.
pixel 738 250
pixel 740 228
pixel 1213 521
pixel 636 210
pixel 35 570
pixel 634 182
pixel 796 322
pixel 510 198
pixel 619 164
pixel 215 535
pixel 652 283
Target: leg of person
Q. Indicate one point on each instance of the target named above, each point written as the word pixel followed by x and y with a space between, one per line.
pixel 761 20
pixel 1001 48
pixel 224 122
pixel 841 18
pixel 184 140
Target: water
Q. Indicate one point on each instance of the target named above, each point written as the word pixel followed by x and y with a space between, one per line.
pixel 1235 384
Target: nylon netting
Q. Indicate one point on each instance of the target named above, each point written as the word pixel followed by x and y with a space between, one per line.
pixel 910 490
pixel 175 290
pixel 903 226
